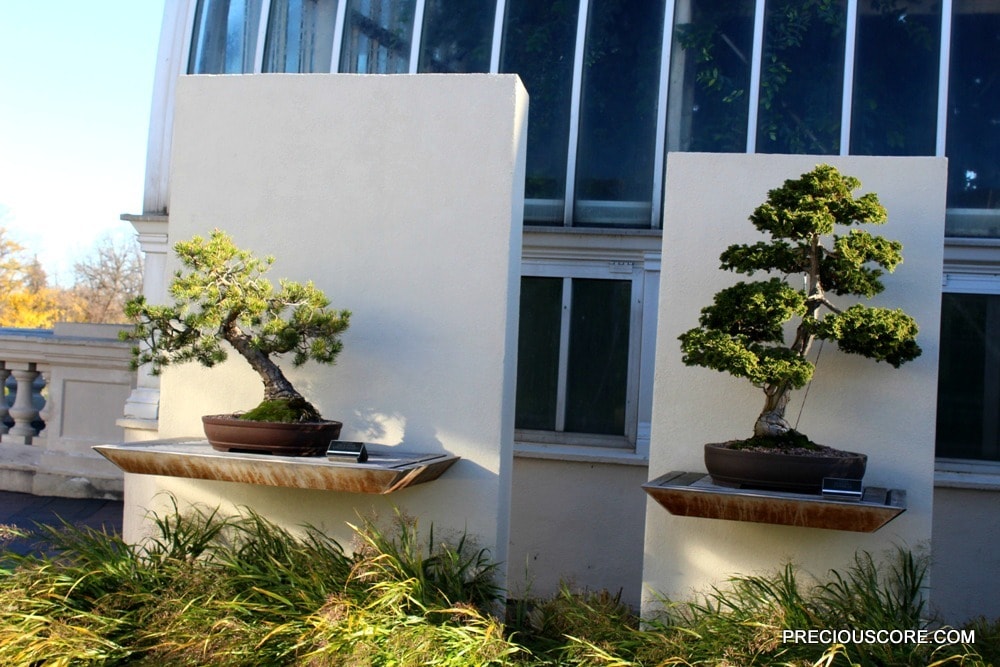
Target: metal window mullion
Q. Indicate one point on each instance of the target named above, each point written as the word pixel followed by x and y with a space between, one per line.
pixel 633 361
pixel 660 149
pixel 944 67
pixel 574 113
pixel 495 47
pixel 847 100
pixel 991 383
pixel 416 35
pixel 258 56
pixel 189 36
pixel 338 35
pixel 756 61
pixel 563 377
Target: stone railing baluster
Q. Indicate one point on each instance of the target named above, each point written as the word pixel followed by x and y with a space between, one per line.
pixel 64 390
pixel 4 405
pixel 23 411
pixel 40 397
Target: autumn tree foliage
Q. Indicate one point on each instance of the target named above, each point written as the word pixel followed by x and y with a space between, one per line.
pixel 26 300
pixel 104 281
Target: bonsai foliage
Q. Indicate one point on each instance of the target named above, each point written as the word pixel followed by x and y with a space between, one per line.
pixel 743 331
pixel 221 295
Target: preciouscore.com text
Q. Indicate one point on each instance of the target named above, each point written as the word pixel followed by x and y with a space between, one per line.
pixel 940 636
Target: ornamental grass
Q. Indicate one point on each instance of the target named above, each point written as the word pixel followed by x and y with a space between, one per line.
pixel 208 589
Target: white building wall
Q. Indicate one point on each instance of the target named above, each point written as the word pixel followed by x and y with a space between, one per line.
pixel 577 524
pixel 964 582
pixel 401 197
pixel 853 403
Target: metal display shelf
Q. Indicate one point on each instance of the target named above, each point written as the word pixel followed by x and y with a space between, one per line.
pixel 386 470
pixel 694 494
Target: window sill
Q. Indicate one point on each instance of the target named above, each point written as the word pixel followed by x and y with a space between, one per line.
pixel 965 474
pixel 580 454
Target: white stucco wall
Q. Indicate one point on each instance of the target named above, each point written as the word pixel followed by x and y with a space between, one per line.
pixel 964 581
pixel 577 524
pixel 853 403
pixel 401 197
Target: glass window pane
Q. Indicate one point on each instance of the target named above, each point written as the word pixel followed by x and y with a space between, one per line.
pixel 708 105
pixel 974 110
pixel 538 45
pixel 896 78
pixel 457 36
pixel 618 110
pixel 598 356
pixel 802 77
pixel 969 377
pixel 377 37
pixel 224 39
pixel 300 36
pixel 538 353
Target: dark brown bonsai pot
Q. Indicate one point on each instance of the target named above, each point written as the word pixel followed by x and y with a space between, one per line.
pixel 228 433
pixel 778 471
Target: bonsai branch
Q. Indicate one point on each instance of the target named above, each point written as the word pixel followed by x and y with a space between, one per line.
pixel 224 296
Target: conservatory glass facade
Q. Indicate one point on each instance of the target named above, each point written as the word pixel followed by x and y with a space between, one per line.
pixel 616 84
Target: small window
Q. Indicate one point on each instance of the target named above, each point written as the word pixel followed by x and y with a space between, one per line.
pixel 225 37
pixel 896 79
pixel 300 36
pixel 577 339
pixel 968 415
pixel 538 45
pixel 377 37
pixel 973 131
pixel 457 36
pixel 710 76
pixel 801 80
pixel 618 114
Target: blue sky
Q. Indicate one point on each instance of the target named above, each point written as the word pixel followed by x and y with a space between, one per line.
pixel 76 80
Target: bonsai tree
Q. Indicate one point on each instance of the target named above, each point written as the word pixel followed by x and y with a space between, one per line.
pixel 223 295
pixel 743 332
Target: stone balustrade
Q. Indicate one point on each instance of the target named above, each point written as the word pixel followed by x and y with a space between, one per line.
pixel 64 390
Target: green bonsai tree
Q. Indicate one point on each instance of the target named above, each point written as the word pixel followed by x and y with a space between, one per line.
pixel 743 331
pixel 223 295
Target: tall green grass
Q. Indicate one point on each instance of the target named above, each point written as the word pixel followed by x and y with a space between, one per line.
pixel 208 589
pixel 214 590
pixel 741 623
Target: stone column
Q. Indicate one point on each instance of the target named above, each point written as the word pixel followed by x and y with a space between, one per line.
pixel 141 414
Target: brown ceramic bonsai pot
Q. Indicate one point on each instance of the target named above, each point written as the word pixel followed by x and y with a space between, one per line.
pixel 777 471
pixel 227 433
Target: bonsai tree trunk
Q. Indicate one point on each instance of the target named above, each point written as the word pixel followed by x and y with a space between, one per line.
pixel 771 422
pixel 276 385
